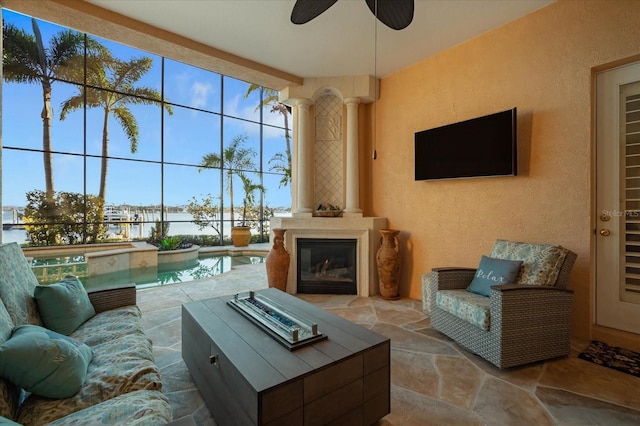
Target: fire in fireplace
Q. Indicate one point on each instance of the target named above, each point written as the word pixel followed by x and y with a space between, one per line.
pixel 327 265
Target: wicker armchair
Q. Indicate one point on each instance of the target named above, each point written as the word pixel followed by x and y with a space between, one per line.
pixel 526 323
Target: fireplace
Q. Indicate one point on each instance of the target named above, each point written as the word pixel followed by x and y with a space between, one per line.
pixel 327 265
pixel 364 230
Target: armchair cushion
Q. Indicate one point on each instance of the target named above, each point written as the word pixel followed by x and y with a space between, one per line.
pixel 493 272
pixel 541 263
pixel 471 307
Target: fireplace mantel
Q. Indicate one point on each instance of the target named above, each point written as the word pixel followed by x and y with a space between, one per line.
pixel 363 229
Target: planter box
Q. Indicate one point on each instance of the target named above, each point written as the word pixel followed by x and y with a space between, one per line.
pixel 168 259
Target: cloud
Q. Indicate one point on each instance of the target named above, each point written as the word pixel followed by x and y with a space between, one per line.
pixel 200 93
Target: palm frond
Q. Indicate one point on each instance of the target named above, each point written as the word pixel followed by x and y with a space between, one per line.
pixel 42 54
pixel 19 56
pixel 210 161
pixel 63 48
pixel 129 125
pixel 127 73
pixel 72 104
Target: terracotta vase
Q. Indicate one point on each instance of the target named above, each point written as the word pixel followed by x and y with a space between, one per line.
pixel 241 236
pixel 278 261
pixel 388 261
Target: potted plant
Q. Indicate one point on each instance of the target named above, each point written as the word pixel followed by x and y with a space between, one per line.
pixel 241 234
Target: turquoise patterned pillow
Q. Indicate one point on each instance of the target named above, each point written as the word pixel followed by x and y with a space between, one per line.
pixel 44 362
pixel 493 272
pixel 64 306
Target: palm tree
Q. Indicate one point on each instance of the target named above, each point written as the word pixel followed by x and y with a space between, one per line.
pixel 249 188
pixel 26 60
pixel 116 80
pixel 281 163
pixel 235 160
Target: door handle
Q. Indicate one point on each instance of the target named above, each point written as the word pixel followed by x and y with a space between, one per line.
pixel 605 232
pixel 214 360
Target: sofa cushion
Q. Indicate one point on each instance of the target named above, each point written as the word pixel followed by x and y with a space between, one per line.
pixel 132 409
pixel 492 272
pixel 471 307
pixel 17 282
pixel 541 263
pixel 44 362
pixel 122 362
pixel 63 306
pixel 110 324
pixel 9 393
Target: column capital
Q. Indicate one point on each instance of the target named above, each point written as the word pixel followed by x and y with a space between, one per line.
pixel 304 102
pixel 348 101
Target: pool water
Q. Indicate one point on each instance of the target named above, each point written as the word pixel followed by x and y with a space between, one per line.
pixel 51 270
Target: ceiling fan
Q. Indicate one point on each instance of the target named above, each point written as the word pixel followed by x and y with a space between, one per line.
pixel 396 14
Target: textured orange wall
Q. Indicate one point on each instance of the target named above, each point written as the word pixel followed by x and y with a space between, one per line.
pixel 542 64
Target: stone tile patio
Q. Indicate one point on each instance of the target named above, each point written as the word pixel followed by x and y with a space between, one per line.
pixel 433 380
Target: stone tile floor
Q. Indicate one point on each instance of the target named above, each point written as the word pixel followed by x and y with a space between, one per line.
pixel 433 381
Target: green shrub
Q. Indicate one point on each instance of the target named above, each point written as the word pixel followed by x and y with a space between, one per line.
pixel 67 218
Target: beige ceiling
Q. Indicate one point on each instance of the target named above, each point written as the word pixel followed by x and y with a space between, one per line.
pixel 344 40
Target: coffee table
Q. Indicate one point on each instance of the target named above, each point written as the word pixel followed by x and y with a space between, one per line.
pixel 247 377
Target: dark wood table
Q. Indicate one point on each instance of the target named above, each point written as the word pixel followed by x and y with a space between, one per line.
pixel 247 378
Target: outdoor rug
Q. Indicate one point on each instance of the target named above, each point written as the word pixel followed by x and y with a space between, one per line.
pixel 613 357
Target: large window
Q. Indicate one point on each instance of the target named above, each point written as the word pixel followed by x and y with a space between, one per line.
pixel 105 142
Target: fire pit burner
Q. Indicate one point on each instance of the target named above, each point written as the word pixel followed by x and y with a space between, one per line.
pixel 288 329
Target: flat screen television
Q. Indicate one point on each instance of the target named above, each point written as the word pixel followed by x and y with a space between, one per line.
pixel 483 146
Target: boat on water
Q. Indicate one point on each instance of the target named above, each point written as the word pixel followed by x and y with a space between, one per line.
pixel 116 214
pixel 14 221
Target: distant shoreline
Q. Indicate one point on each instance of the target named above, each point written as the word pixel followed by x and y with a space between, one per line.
pixel 180 224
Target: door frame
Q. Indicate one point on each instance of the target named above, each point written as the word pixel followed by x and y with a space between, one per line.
pixel 598 332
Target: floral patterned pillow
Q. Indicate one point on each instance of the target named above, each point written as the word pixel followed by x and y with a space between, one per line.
pixel 541 263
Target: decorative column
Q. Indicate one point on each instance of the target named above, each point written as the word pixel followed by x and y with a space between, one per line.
pixel 353 173
pixel 305 159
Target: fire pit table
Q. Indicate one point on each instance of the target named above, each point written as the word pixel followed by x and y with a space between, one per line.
pixel 269 358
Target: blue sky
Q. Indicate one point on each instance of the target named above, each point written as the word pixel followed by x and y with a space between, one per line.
pixel 188 135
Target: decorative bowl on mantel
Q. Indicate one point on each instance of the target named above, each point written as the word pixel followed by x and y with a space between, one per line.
pixel 327 213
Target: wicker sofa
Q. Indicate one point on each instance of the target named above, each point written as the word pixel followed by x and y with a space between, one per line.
pixel 122 383
pixel 519 323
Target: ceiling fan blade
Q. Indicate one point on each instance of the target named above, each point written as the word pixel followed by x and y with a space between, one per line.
pixel 305 10
pixel 395 14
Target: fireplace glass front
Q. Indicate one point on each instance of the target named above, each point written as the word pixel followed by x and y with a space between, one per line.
pixel 327 265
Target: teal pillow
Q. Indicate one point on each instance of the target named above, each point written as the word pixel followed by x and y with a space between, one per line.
pixel 44 362
pixel 493 272
pixel 63 306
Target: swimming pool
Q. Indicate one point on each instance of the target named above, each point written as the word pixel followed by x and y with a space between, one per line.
pixel 52 270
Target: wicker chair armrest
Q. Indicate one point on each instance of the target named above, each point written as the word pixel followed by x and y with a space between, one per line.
pixel 107 298
pixel 452 278
pixel 520 307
